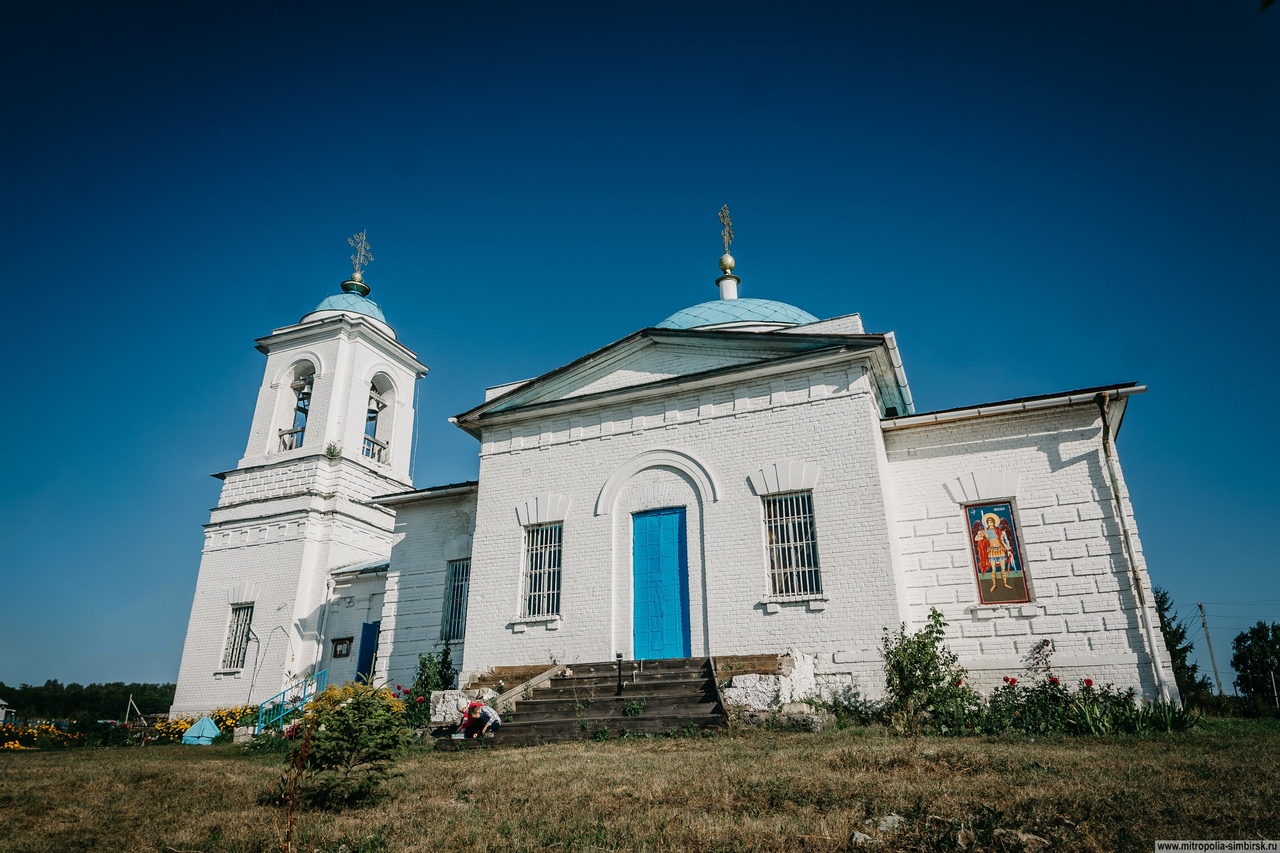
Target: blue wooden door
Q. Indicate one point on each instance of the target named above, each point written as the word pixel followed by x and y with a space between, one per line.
pixel 660 568
pixel 368 651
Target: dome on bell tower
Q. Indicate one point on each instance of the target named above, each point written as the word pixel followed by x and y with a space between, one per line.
pixel 354 298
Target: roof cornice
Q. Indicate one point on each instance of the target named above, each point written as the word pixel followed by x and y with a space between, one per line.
pixel 348 324
pixel 1017 405
pixel 764 341
pixel 473 420
pixel 469 487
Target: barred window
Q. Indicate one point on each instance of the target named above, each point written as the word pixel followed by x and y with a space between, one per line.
pixel 793 545
pixel 455 606
pixel 237 636
pixel 542 570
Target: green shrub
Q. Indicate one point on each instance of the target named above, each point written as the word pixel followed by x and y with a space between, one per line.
pixel 269 743
pixel 1048 707
pixel 849 707
pixel 103 734
pixel 1168 717
pixel 926 688
pixel 1036 709
pixel 435 672
pixel 1226 705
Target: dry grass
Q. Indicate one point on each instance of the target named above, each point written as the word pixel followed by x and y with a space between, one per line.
pixel 741 791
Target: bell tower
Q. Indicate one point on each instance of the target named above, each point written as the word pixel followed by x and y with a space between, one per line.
pixel 332 427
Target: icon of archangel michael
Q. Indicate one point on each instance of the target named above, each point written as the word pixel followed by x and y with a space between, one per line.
pixel 996 555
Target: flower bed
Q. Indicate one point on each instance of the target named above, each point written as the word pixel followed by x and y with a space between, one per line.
pixel 40 736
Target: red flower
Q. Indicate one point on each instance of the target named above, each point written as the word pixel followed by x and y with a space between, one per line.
pixel 421 699
pixel 1088 682
pixel 1012 682
pixel 398 687
pixel 959 684
pixel 1053 680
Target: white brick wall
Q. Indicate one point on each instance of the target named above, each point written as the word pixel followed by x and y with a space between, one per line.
pixel 660 361
pixel 353 602
pixel 893 542
pixel 430 534
pixel 825 415
pixel 1082 595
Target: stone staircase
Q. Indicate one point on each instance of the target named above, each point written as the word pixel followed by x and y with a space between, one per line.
pixel 583 702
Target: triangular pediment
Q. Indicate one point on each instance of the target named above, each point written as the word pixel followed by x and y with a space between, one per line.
pixel 653 356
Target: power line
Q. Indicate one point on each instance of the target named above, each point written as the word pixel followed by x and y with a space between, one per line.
pixel 1239 603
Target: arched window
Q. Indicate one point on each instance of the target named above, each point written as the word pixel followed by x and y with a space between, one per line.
pixel 304 377
pixel 377 420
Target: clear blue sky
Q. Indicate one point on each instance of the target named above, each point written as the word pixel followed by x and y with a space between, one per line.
pixel 1035 197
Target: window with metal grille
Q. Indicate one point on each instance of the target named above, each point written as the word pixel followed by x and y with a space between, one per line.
pixel 542 570
pixel 793 545
pixel 237 636
pixel 455 607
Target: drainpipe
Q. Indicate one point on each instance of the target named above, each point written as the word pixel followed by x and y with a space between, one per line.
pixel 1104 407
pixel 324 614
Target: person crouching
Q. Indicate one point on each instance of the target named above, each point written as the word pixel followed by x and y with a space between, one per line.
pixel 479 720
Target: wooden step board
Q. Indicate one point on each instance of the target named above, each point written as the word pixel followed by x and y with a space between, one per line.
pixel 583 702
pixel 507 676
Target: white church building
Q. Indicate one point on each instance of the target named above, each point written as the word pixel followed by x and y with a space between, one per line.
pixel 739 478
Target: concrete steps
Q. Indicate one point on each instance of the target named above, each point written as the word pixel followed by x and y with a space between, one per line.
pixel 657 696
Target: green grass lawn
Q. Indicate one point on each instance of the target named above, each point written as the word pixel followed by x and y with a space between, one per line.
pixel 743 790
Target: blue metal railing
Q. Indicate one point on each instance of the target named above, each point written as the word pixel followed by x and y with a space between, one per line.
pixel 280 707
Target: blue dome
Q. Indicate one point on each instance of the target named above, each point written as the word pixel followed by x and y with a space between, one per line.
pixel 719 311
pixel 353 302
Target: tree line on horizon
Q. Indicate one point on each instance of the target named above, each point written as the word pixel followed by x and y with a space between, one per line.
pixel 54 700
pixel 1255 658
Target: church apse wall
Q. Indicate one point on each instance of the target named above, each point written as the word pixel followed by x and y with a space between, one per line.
pixel 1006 525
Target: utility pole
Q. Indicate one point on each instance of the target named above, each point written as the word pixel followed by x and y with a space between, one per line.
pixel 1205 622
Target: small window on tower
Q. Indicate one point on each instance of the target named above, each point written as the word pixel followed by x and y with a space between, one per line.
pixel 342 647
pixel 238 633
